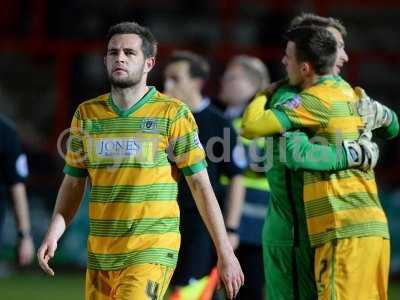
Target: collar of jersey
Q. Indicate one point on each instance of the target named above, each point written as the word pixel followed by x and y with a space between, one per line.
pixel 124 113
pixel 324 78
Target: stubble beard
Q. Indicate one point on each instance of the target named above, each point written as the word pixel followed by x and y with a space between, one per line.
pixel 126 82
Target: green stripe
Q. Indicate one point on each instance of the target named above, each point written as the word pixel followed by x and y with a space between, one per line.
pixel 76 145
pixel 125 125
pixel 162 256
pixel 282 118
pixel 314 177
pixel 182 112
pixel 338 137
pixel 156 99
pixel 186 143
pixel 354 230
pixel 121 228
pixel 195 168
pixel 75 172
pixel 343 109
pixel 134 194
pixel 331 204
pixel 316 108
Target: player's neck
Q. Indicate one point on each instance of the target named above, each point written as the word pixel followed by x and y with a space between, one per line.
pixel 310 81
pixel 124 98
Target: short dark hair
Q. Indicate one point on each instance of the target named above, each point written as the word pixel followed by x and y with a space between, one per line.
pixel 198 65
pixel 309 19
pixel 315 45
pixel 149 42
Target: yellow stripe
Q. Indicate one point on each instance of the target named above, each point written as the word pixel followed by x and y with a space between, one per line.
pixel 126 211
pixel 336 188
pixel 132 176
pixel 115 245
pixel 344 218
pixel 75 159
pixel 190 158
pixel 344 124
pixel 154 109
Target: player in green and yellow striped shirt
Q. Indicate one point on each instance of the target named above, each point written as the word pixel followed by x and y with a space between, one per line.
pixel 131 144
pixel 341 206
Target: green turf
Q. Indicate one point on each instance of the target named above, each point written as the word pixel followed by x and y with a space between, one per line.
pixel 38 286
pixel 67 286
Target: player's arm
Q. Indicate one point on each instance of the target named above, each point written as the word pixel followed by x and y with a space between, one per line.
pixel 235 190
pixel 25 246
pixel 301 111
pixel 390 131
pixel 235 198
pixel 206 202
pixel 189 156
pixel 15 174
pixel 303 154
pixel 258 122
pixel 68 200
pixel 69 195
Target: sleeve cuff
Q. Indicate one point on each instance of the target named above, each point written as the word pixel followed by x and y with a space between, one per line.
pixel 393 128
pixel 195 168
pixel 283 119
pixel 75 172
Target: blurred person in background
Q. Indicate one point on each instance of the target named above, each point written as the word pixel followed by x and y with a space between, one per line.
pixel 13 174
pixel 242 79
pixel 185 76
pixel 131 143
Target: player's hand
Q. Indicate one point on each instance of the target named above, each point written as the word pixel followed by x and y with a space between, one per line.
pixel 230 273
pixel 274 86
pixel 25 251
pixel 373 113
pixel 45 252
pixel 362 153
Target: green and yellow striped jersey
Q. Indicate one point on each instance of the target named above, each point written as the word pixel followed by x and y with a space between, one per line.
pixel 132 159
pixel 338 204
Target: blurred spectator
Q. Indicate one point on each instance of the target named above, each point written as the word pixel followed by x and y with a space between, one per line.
pixel 185 76
pixel 243 77
pixel 13 173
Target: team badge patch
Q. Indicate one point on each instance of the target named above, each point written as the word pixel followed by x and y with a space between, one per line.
pixel 149 125
pixel 293 103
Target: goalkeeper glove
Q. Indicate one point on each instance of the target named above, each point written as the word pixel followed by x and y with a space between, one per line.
pixel 362 153
pixel 373 113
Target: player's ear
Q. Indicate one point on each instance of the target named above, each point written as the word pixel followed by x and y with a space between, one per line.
pixel 149 64
pixel 305 68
